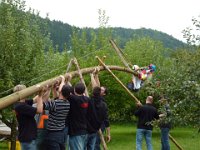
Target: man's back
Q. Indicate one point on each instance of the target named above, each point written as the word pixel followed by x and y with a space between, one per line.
pixel 78 115
pixel 97 113
pixel 26 123
pixel 146 114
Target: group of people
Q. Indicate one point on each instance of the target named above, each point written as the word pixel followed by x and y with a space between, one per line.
pixel 73 120
pixel 69 120
pixel 146 115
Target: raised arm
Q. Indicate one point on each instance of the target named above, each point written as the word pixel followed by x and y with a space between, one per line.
pixel 93 81
pixel 46 95
pixel 62 83
pixel 55 88
pixel 39 101
pixel 95 78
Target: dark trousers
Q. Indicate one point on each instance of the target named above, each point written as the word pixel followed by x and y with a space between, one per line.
pixel 40 140
pixel 55 140
pixel 165 139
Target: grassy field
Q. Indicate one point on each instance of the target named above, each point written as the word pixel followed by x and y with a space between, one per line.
pixel 123 138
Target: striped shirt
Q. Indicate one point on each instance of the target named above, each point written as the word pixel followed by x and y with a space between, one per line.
pixel 58 111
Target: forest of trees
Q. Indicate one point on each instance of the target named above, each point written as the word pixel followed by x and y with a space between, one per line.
pixel 60 33
pixel 30 52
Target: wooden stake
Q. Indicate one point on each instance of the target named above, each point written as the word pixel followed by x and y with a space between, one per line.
pixel 69 66
pixel 103 58
pixel 119 52
pixel 175 142
pixel 102 140
pixel 80 75
pixel 106 67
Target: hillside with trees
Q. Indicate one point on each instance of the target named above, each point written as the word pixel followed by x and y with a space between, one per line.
pixel 60 33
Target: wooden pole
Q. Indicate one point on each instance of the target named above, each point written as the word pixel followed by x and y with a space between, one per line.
pixel 69 66
pixel 80 75
pixel 102 140
pixel 119 52
pixel 175 142
pixel 10 99
pixel 107 68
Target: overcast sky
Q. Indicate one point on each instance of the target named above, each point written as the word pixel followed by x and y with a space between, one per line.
pixel 169 16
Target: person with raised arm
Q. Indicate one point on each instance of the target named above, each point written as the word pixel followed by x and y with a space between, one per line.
pixel 58 112
pixel 25 114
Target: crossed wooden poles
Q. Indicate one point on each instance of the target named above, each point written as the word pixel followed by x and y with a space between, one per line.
pixel 10 99
pixel 131 94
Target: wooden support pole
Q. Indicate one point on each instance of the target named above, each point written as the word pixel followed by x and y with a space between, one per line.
pixel 175 142
pixel 69 65
pixel 103 58
pixel 29 91
pixel 107 68
pixel 102 140
pixel 80 75
pixel 119 52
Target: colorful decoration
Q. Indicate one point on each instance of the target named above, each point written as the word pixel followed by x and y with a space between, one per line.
pixel 152 67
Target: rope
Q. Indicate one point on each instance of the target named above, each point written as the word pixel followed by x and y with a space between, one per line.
pixel 11 89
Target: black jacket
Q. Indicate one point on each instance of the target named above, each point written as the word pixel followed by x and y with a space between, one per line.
pixel 146 114
pixel 97 114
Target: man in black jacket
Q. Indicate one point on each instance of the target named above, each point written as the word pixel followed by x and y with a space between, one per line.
pixel 25 113
pixel 146 114
pixel 105 125
pixel 78 118
pixel 97 114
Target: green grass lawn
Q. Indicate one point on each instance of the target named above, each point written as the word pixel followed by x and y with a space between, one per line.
pixel 123 138
pixel 3 146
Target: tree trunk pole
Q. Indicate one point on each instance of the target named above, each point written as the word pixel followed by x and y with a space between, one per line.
pixel 12 98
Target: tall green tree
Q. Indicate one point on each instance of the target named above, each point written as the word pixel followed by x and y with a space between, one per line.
pixel 22 45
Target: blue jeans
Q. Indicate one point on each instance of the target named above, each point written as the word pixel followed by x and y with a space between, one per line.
pixel 91 141
pixel 55 140
pixel 66 138
pixel 28 145
pixel 78 142
pixel 165 138
pixel 147 135
pixel 98 142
